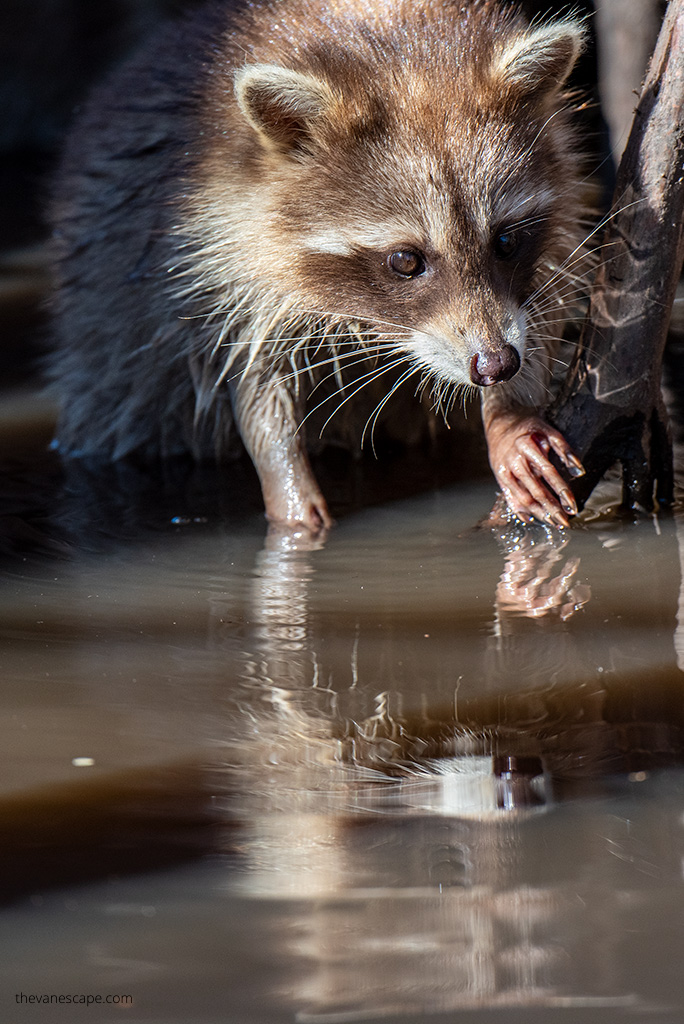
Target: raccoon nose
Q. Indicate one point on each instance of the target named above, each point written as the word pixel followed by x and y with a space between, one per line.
pixel 488 368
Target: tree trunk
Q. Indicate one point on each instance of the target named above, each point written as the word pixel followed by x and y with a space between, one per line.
pixel 611 407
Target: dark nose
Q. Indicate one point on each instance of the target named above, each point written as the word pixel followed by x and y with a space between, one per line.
pixel 487 368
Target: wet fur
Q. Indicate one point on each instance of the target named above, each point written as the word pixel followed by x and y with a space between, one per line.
pixel 220 251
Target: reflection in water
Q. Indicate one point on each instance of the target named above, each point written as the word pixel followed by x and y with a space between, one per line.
pixel 436 771
pixel 535 580
pixel 410 841
pixel 454 930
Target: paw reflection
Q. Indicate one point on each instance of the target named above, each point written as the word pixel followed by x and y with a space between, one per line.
pixel 538 581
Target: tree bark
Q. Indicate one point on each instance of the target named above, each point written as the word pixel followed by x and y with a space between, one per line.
pixel 611 408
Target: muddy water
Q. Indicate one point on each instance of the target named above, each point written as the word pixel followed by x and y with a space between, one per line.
pixel 422 772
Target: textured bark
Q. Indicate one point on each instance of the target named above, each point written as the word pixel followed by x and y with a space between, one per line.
pixel 611 407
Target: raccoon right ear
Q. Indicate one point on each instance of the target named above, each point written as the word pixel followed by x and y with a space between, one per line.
pixel 283 106
pixel 539 61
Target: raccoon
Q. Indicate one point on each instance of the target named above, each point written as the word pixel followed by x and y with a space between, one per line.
pixel 286 192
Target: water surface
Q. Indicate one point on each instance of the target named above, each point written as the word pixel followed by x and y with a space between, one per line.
pixel 425 771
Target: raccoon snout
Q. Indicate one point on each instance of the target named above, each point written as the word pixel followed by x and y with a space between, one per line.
pixel 487 368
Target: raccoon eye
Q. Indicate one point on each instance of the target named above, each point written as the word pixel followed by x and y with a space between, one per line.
pixel 406 263
pixel 506 244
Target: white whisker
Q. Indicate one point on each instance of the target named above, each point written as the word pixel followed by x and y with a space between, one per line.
pixel 373 418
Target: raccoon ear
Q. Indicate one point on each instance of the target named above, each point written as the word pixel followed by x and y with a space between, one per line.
pixel 539 62
pixel 283 106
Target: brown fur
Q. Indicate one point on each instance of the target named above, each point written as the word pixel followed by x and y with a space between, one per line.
pixel 228 203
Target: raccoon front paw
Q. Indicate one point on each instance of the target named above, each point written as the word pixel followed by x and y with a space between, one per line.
pixel 293 507
pixel 519 448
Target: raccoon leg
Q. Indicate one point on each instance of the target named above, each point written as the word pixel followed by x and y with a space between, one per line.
pixel 269 419
pixel 519 444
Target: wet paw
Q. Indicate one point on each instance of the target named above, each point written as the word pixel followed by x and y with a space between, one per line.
pixel 296 512
pixel 519 453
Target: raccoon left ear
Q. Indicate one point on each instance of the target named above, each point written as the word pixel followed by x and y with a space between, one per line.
pixel 282 105
pixel 540 61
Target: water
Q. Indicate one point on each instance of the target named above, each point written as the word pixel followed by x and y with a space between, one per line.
pixel 424 772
